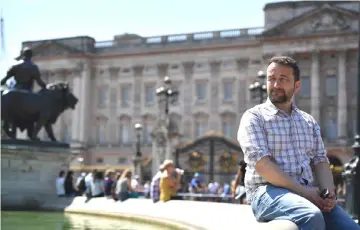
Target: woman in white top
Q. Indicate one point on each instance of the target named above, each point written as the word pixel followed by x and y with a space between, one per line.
pixel 60 190
pixel 97 185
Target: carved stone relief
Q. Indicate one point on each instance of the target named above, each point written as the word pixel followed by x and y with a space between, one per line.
pixel 138 70
pixel 215 66
pixel 330 21
pixel 113 72
pixel 51 50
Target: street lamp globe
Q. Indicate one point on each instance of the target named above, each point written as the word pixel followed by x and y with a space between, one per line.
pixel 167 80
pixel 251 86
pixel 261 74
pixel 160 90
pixel 80 159
pixel 138 127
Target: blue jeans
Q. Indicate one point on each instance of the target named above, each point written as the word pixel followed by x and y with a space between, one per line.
pixel 274 203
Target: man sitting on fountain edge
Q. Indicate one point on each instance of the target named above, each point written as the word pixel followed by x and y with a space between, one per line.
pixel 281 144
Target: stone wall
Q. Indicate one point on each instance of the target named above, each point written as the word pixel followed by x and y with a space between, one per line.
pixel 29 172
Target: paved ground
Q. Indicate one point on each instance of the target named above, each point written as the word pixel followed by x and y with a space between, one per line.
pixel 186 214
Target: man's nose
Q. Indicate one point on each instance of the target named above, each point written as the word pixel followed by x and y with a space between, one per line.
pixel 276 84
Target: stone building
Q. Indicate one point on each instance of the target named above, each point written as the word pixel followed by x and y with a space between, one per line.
pixel 116 80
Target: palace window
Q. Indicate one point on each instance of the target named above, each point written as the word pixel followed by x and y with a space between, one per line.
pixel 200 91
pixel 331 86
pixel 124 134
pixel 200 128
pixel 331 129
pixel 149 94
pixel 227 128
pixel 125 96
pixel 305 90
pixel 330 122
pixel 101 133
pixel 99 160
pixel 147 130
pixel 122 160
pixel 101 97
pixel 228 91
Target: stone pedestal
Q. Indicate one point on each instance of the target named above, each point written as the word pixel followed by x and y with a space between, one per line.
pixel 29 170
pixel 138 169
pixel 165 138
pixel 161 148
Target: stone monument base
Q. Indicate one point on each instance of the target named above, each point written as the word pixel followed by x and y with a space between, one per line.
pixel 28 172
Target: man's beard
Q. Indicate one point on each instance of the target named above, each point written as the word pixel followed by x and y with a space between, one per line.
pixel 280 99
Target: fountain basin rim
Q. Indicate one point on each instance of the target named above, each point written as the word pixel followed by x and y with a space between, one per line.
pixel 172 224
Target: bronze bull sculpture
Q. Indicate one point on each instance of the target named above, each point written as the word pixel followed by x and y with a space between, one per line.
pixel 32 111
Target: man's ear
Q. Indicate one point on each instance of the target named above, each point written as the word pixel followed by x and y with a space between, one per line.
pixel 297 86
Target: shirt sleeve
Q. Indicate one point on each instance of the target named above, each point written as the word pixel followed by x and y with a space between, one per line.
pixel 318 151
pixel 252 138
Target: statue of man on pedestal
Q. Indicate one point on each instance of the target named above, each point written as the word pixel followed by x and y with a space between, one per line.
pixel 25 72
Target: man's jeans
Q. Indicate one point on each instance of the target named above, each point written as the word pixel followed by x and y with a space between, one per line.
pixel 274 203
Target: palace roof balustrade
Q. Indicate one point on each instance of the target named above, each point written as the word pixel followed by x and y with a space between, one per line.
pixel 126 41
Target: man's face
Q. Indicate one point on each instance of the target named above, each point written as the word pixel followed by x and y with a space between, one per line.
pixel 171 168
pixel 281 85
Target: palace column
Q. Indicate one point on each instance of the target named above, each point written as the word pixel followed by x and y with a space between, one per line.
pixel 138 92
pixel 60 75
pixel 315 86
pixel 188 99
pixel 342 97
pixel 75 123
pixel 214 95
pixel 84 102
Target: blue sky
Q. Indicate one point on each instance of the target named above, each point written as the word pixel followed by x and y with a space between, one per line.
pixel 43 19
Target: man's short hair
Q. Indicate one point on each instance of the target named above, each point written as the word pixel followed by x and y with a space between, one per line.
pixel 287 61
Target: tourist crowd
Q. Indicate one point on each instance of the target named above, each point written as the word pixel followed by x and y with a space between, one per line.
pixel 167 184
pixel 118 186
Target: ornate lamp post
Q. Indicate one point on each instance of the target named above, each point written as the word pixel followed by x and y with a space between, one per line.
pixel 258 88
pixel 138 128
pixel 161 133
pixel 138 154
pixel 352 169
pixel 167 94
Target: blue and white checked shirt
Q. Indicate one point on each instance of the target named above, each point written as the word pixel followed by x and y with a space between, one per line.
pixel 155 187
pixel 293 142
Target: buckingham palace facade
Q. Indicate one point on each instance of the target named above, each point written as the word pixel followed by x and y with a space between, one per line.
pixel 116 80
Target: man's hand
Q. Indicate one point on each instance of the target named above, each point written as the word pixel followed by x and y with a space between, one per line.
pixel 325 205
pixel 313 196
pixel 330 202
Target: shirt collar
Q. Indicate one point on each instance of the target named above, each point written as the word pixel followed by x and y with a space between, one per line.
pixel 272 109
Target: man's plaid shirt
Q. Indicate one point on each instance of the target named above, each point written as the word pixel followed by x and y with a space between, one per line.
pixel 155 187
pixel 292 141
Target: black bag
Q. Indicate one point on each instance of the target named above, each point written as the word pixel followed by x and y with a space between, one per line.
pixel 82 185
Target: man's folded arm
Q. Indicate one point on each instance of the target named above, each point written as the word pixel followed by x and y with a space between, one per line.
pixel 320 161
pixel 252 139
